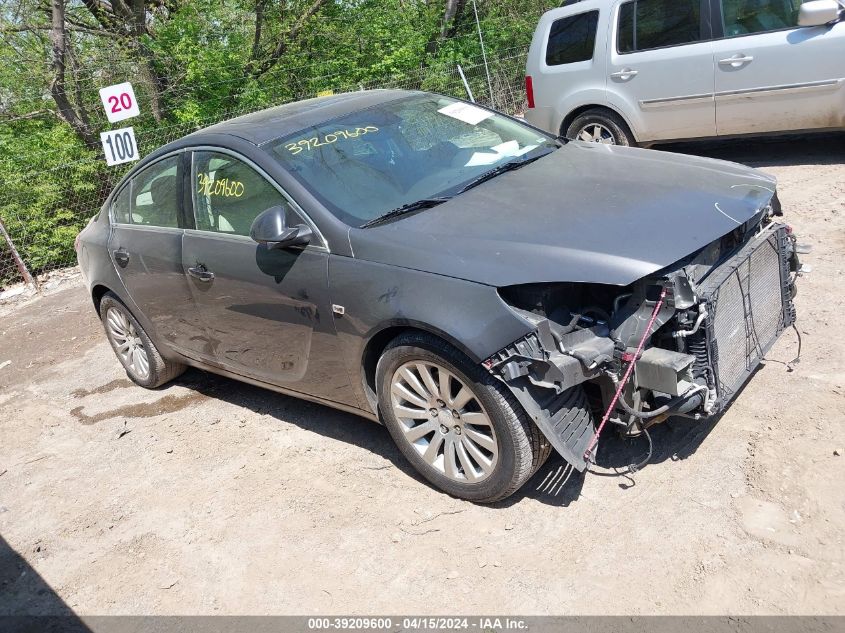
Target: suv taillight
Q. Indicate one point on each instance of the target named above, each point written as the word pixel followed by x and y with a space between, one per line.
pixel 529 90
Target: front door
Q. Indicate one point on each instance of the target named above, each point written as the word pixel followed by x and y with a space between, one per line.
pixel 774 76
pixel 146 248
pixel 660 68
pixel 267 311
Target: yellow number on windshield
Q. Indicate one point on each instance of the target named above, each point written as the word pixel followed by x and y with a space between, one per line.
pixel 310 144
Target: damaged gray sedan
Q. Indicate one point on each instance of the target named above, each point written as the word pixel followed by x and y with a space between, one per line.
pixel 488 292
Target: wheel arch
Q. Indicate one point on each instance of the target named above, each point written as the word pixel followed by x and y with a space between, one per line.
pixel 381 338
pixel 98 291
pixel 574 114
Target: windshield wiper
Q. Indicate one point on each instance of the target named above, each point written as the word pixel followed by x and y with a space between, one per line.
pixel 425 203
pixel 501 169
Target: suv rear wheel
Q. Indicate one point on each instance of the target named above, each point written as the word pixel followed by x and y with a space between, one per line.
pixel 462 430
pixel 600 126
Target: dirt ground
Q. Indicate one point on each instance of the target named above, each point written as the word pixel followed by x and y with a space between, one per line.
pixel 210 497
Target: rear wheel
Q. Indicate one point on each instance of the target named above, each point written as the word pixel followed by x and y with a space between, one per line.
pixel 600 126
pixel 143 363
pixel 461 429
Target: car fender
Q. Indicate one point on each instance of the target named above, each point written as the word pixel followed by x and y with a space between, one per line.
pixel 370 298
pixel 628 109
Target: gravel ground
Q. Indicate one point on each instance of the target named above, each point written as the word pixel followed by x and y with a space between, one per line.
pixel 209 496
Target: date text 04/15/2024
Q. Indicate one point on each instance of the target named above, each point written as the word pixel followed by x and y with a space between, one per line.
pixel 421 623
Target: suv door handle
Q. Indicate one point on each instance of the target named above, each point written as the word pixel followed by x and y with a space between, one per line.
pixel 737 60
pixel 121 257
pixel 625 74
pixel 201 272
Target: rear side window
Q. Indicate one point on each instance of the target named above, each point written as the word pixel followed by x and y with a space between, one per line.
pixel 572 39
pixel 647 24
pixel 155 195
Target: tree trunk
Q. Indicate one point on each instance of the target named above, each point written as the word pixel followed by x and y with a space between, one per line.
pixel 451 14
pixel 58 38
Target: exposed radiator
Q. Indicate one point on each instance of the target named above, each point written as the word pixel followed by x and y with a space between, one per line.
pixel 749 304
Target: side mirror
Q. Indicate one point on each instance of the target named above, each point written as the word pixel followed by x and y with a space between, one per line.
pixel 818 12
pixel 270 228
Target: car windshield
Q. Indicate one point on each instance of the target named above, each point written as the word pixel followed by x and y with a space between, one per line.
pixel 368 163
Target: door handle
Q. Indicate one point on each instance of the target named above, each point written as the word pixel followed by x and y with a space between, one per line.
pixel 737 60
pixel 121 257
pixel 625 74
pixel 201 272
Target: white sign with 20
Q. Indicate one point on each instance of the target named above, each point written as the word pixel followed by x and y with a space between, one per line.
pixel 119 102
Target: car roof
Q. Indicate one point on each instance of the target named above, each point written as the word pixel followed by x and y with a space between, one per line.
pixel 267 125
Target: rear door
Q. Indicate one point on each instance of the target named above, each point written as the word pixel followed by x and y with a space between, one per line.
pixel 772 75
pixel 267 311
pixel 660 70
pixel 146 248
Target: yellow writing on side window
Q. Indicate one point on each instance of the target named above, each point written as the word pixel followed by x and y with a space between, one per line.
pixel 316 141
pixel 221 187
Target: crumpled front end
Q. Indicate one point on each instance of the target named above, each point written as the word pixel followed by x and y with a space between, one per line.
pixel 722 310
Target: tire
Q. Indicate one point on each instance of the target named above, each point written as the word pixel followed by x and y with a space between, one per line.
pixel 492 417
pixel 120 326
pixel 618 130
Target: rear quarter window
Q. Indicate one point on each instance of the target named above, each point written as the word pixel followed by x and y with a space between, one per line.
pixel 120 206
pixel 572 39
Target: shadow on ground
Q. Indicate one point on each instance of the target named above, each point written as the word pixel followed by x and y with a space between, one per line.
pixel 808 149
pixel 27 601
pixel 554 483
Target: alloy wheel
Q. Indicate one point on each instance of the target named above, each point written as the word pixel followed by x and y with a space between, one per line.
pixel 127 343
pixel 443 420
pixel 596 133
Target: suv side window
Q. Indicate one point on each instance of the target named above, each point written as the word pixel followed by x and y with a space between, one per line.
pixel 229 194
pixel 648 24
pixel 744 17
pixel 572 39
pixel 155 195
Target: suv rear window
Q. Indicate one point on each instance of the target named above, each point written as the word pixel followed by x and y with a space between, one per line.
pixel 572 39
pixel 647 24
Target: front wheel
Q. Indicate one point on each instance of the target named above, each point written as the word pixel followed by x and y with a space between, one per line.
pixel 460 428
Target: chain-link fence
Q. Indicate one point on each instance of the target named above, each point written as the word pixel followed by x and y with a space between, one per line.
pixel 43 208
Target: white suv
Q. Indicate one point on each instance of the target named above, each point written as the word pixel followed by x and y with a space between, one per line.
pixel 642 71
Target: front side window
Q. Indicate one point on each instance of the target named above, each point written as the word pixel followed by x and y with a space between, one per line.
pixel 155 195
pixel 367 163
pixel 648 24
pixel 744 17
pixel 572 39
pixel 229 194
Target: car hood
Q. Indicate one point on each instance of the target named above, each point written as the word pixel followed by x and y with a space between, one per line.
pixel 584 213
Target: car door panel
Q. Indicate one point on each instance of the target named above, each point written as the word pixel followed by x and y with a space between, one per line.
pixel 667 91
pixel 267 311
pixel 148 260
pixel 781 80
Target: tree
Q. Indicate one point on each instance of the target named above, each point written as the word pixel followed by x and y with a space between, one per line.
pixel 262 60
pixel 75 116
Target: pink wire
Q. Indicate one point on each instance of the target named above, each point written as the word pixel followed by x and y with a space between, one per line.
pixel 627 375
